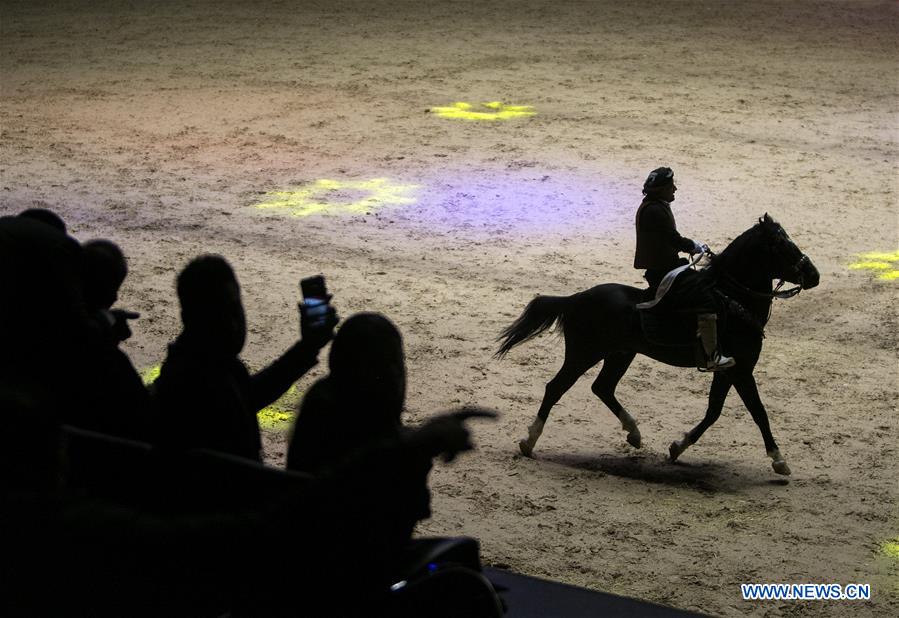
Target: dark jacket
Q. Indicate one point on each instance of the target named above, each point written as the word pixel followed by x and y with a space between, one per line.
pixel 658 241
pixel 205 401
pixel 335 427
pixel 55 352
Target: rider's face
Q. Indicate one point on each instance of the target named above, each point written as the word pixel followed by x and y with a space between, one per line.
pixel 667 193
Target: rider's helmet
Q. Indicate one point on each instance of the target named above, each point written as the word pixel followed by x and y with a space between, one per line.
pixel 658 178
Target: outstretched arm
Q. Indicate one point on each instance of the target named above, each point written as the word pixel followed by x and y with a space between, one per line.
pixel 273 381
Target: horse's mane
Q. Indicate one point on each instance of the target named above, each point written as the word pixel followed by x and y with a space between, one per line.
pixel 738 251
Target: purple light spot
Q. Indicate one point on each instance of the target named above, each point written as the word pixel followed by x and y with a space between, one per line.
pixel 528 201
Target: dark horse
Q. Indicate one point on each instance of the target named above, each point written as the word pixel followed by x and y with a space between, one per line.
pixel 602 323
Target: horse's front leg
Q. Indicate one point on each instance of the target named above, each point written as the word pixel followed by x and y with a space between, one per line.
pixel 745 384
pixel 717 394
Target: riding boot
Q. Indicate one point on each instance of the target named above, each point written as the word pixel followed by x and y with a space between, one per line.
pixel 707 331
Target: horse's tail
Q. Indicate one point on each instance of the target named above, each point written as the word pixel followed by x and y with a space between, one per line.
pixel 540 314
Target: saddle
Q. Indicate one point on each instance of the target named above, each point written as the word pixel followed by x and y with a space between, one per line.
pixel 668 317
pixel 679 328
pixel 665 285
pixel 668 329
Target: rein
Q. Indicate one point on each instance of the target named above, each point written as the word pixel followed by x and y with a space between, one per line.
pixel 776 292
pixel 741 311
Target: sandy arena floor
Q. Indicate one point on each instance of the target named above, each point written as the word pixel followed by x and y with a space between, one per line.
pixel 163 125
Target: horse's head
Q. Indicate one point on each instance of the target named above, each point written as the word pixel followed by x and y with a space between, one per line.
pixel 787 262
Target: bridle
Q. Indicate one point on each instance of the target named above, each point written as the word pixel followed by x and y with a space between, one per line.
pixel 797 268
pixel 776 292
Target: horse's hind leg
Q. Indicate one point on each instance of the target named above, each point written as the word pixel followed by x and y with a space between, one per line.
pixel 717 395
pixel 613 368
pixel 573 368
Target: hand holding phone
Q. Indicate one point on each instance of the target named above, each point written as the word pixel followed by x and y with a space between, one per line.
pixel 317 316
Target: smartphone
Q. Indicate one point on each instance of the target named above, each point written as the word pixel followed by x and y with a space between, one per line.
pixel 314 287
pixel 315 300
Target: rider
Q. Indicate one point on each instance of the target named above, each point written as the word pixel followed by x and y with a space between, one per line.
pixel 658 244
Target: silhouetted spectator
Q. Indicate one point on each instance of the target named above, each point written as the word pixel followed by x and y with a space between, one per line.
pixel 105 271
pixel 361 399
pixel 356 408
pixel 44 324
pixel 372 496
pixel 120 388
pixel 359 404
pixel 45 216
pixel 56 353
pixel 205 397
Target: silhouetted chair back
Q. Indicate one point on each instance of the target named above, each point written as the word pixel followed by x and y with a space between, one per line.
pixel 136 472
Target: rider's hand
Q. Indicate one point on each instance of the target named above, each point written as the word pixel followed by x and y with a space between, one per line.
pixel 699 247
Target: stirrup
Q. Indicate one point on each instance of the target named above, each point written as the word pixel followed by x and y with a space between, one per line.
pixel 718 362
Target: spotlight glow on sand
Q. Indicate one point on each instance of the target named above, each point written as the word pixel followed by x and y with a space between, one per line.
pixel 280 414
pixel 521 199
pixel 325 196
pixel 150 374
pixel 276 417
pixel 886 265
pixel 498 111
pixel 891 548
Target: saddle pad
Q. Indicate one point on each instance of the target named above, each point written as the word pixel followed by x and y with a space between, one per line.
pixel 668 329
pixel 663 288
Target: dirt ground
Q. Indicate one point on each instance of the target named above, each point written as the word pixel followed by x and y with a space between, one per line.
pixel 162 125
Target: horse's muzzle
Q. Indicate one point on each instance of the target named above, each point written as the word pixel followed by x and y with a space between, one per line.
pixel 808 274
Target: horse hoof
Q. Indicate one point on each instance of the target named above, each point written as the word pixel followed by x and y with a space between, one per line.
pixel 526 449
pixel 780 466
pixel 634 439
pixel 674 451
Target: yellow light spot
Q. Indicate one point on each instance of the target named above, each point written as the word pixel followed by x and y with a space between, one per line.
pixel 891 548
pixel 499 111
pixel 280 414
pixel 273 419
pixel 886 257
pixel 871 266
pixel 277 416
pixel 327 196
pixel 150 374
pixel 884 263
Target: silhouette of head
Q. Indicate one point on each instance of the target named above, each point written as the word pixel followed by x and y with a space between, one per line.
pixel 105 269
pixel 660 184
pixel 45 216
pixel 367 363
pixel 211 309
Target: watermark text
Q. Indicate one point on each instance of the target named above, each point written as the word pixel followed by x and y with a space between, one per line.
pixel 805 592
